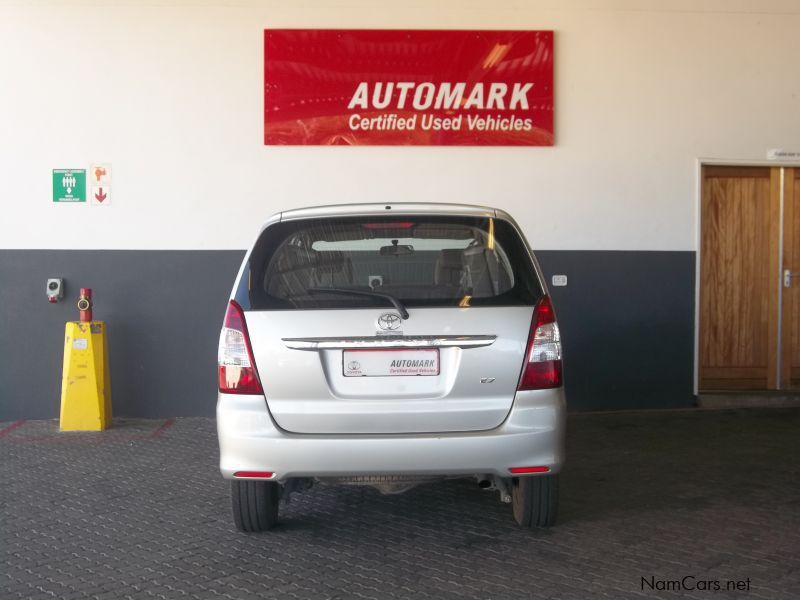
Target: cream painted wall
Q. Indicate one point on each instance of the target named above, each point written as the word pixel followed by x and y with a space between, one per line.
pixel 170 93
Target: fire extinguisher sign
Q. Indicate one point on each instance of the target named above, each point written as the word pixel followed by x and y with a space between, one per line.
pixel 100 176
pixel 69 185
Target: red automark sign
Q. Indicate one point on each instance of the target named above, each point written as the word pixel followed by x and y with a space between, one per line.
pixel 361 87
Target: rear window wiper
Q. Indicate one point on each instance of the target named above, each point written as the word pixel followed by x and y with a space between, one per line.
pixel 351 292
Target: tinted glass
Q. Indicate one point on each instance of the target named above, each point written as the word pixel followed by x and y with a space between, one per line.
pixel 421 261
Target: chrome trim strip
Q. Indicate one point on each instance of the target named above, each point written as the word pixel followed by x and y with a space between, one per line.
pixel 390 341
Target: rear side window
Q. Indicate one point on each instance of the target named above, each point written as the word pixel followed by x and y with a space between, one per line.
pixel 423 261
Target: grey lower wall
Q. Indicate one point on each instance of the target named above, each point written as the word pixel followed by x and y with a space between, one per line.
pixel 163 310
pixel 627 321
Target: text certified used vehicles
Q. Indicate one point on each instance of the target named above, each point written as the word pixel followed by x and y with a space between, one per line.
pixel 388 346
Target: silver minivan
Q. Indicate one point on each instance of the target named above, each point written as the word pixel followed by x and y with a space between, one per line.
pixel 389 346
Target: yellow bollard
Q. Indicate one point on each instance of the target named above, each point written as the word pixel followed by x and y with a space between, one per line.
pixel 85 385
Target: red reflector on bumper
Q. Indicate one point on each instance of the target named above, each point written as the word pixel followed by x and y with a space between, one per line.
pixel 261 474
pixel 529 469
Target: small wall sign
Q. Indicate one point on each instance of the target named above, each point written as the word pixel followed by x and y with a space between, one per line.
pixel 69 185
pixel 100 175
pixel 778 154
pixel 101 195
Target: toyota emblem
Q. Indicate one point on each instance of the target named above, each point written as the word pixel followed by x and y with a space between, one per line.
pixel 389 321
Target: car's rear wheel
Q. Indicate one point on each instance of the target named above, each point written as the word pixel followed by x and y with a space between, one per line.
pixel 255 504
pixel 535 500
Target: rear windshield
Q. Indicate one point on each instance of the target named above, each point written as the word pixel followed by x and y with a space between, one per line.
pixel 423 261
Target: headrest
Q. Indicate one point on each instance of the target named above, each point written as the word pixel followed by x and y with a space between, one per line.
pixel 449 267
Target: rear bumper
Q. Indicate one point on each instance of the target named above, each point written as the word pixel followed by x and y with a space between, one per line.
pixel 531 435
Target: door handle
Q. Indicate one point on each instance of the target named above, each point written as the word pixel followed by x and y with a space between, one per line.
pixel 787 277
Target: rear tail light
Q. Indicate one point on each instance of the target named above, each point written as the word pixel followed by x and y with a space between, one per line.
pixel 542 367
pixel 237 369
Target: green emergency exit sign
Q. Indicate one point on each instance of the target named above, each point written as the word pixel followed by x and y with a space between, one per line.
pixel 69 185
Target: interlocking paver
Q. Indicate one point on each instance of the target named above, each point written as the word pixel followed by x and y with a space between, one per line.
pixel 140 511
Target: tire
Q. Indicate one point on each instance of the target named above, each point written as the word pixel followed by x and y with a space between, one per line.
pixel 535 500
pixel 255 504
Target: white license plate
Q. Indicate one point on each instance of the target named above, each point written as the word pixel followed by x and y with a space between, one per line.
pixel 390 363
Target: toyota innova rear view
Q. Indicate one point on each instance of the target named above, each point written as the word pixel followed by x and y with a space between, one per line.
pixel 389 346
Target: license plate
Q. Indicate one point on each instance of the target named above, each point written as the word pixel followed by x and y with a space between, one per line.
pixel 390 363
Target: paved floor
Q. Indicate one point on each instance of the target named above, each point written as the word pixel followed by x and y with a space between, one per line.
pixel 649 500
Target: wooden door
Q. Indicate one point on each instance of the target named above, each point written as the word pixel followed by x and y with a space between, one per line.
pixel 790 326
pixel 739 277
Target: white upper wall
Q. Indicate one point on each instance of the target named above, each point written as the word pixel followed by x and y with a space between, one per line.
pixel 171 94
